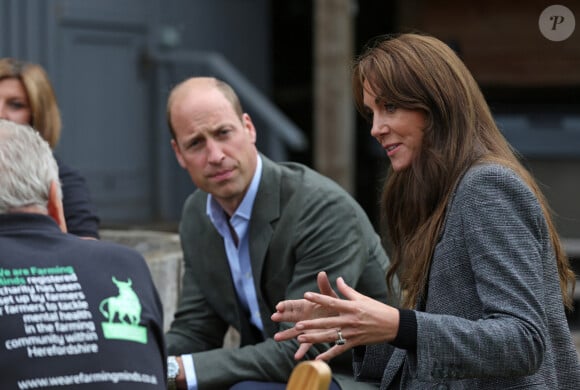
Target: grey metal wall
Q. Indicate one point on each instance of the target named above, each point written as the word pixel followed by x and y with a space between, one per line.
pixel 103 59
pixel 549 143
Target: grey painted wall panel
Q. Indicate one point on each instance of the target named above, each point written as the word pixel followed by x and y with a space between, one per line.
pixel 111 91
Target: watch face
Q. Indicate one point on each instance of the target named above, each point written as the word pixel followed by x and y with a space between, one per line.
pixel 172 367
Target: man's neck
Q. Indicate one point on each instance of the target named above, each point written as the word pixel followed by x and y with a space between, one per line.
pixel 29 209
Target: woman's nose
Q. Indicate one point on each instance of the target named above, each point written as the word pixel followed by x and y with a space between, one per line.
pixel 379 129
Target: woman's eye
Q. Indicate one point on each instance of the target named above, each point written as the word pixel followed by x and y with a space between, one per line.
pixel 17 105
pixel 390 107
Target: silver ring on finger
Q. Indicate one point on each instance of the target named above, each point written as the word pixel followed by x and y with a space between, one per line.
pixel 340 340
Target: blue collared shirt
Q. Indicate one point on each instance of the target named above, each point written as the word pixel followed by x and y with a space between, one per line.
pixel 239 256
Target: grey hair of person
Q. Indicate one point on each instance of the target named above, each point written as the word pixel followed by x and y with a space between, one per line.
pixel 27 168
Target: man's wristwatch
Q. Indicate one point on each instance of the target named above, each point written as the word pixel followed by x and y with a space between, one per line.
pixel 172 372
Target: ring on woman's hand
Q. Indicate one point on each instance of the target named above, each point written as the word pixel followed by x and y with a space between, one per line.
pixel 340 340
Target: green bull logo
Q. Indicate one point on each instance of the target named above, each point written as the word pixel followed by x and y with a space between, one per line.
pixel 123 314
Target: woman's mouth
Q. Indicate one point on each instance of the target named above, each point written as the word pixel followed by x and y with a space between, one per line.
pixel 391 148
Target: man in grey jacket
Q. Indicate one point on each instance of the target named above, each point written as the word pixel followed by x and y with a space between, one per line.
pixel 254 233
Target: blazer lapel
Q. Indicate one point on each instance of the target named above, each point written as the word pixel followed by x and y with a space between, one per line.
pixel 265 212
pixel 393 369
pixel 215 258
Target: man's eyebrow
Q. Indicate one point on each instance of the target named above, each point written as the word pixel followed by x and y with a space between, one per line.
pixel 190 140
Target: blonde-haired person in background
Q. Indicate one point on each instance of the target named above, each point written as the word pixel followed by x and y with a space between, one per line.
pixel 27 97
pixel 483 274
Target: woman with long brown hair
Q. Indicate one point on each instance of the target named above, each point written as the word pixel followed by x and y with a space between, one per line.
pixel 484 280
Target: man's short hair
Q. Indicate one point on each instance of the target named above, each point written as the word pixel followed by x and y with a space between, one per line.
pixel 220 85
pixel 27 167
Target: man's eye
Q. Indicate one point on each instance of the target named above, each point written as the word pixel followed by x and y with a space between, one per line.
pixel 193 144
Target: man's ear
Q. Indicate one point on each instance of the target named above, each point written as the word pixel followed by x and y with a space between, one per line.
pixel 178 153
pixel 55 209
pixel 250 126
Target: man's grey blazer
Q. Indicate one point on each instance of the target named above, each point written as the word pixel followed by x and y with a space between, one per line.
pixel 493 317
pixel 301 223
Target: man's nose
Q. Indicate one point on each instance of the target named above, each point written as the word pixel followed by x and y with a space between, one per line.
pixel 214 151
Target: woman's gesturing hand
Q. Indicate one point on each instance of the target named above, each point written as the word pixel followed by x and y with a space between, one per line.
pixel 302 309
pixel 324 318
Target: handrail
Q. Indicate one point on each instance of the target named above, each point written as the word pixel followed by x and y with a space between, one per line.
pixel 253 99
pixel 571 246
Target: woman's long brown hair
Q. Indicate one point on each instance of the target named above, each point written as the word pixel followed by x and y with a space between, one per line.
pixel 420 72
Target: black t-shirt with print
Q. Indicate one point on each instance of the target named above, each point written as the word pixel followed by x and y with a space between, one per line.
pixel 75 313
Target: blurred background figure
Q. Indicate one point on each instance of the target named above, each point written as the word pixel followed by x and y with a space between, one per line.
pixel 27 97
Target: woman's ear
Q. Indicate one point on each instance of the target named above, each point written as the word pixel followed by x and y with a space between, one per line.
pixel 55 208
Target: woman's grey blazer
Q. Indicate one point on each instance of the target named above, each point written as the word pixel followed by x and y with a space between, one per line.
pixel 493 317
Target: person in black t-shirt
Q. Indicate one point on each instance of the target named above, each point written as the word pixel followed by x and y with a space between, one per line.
pixel 73 312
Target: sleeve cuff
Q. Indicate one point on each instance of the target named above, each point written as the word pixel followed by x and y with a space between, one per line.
pixel 407 334
pixel 189 368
